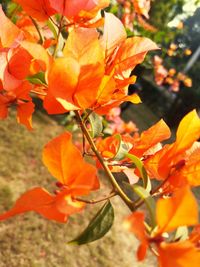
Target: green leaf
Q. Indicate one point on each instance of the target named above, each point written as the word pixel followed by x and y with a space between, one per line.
pixel 149 201
pixel 96 124
pixel 53 28
pixel 98 226
pixel 138 163
pixel 122 149
pixel 38 78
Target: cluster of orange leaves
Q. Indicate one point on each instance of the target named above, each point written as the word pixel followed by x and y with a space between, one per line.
pixel 91 70
pixel 136 9
pixel 170 77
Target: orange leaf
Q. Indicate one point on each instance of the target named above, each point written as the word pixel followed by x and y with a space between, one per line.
pixel 39 9
pixel 135 224
pixel 132 52
pixel 9 31
pixel 24 114
pixel 66 163
pixel 38 200
pixel 178 254
pixel 72 77
pixel 173 212
pixel 38 53
pixel 77 10
pixel 20 71
pixel 151 137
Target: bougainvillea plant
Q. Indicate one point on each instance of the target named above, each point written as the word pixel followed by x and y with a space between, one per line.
pixel 76 57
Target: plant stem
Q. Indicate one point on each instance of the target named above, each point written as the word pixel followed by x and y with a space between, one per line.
pixel 97 200
pixel 58 36
pixel 114 183
pixel 38 30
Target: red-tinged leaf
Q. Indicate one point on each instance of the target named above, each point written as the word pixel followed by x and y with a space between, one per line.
pixel 38 200
pixel 178 254
pixel 153 162
pixel 135 224
pixel 173 212
pixel 9 31
pixel 24 114
pixel 134 98
pixel 113 34
pixel 15 67
pixel 9 81
pixel 38 9
pixel 38 53
pixel 52 105
pixel 78 10
pixel 151 137
pixel 66 163
pixel 132 52
pixel 3 107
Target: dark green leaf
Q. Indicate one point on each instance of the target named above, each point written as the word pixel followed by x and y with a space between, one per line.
pixel 98 226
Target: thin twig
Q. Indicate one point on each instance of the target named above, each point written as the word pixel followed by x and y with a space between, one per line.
pixel 114 183
pixel 58 36
pixel 97 200
pixel 38 30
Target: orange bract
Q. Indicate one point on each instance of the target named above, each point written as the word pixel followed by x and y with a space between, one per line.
pixel 179 254
pixel 59 156
pixel 39 9
pixel 9 31
pixel 170 160
pixel 177 208
pixel 74 80
pixel 150 138
pixel 135 224
pixel 79 10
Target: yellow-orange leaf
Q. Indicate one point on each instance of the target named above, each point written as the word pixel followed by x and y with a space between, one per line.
pixel 9 31
pixel 178 254
pixel 179 210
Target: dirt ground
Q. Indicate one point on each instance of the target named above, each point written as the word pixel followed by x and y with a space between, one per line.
pixel 31 241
